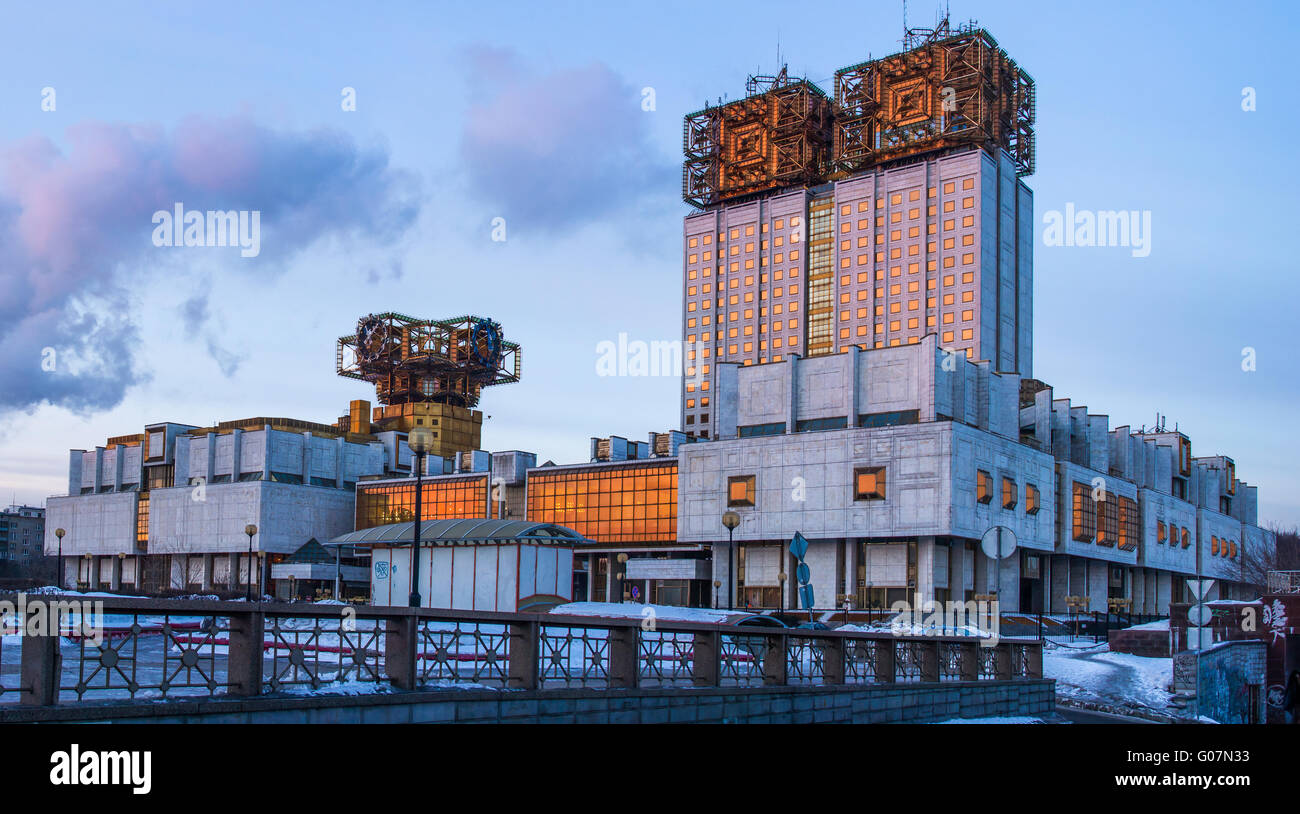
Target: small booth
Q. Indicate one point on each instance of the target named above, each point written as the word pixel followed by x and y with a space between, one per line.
pixel 474 564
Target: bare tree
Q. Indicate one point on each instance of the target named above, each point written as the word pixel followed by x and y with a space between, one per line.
pixel 1258 561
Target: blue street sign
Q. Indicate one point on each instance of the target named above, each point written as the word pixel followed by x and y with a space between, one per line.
pixel 798 546
pixel 806 595
pixel 803 573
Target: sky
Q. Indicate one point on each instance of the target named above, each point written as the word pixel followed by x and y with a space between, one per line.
pixel 522 161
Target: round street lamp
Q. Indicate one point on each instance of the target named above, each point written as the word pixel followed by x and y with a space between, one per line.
pixel 420 440
pixel 250 530
pixel 730 519
pixel 59 533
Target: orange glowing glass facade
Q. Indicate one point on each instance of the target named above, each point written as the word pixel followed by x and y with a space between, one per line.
pixel 453 497
pixel 611 503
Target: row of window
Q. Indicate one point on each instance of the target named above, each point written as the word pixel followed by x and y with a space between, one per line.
pixel 1010 492
pixel 887 419
pixel 1111 521
pixel 868 484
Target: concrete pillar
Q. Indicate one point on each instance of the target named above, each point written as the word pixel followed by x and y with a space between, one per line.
pixel 1139 588
pixel 1060 584
pixel 116 582
pixel 1098 584
pixel 956 571
pixel 850 586
pixel 925 568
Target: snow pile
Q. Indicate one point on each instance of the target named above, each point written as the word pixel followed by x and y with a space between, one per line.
pixel 48 590
pixel 911 629
pixel 1096 674
pixel 632 610
pixel 1159 624
pixel 1009 719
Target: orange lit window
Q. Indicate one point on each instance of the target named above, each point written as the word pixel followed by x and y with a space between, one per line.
pixel 1032 499
pixel 740 490
pixel 869 483
pixel 983 486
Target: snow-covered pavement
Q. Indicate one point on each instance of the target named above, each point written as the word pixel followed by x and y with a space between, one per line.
pixel 1091 672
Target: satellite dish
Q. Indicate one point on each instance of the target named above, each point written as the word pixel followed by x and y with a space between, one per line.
pixel 998 543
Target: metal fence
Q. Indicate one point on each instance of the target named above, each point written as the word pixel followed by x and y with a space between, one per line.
pixel 1284 582
pixel 157 649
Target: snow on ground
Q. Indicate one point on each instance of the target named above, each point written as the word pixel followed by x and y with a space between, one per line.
pixel 339 688
pixel 632 610
pixel 46 590
pixel 1093 673
pixel 908 629
pixel 1010 719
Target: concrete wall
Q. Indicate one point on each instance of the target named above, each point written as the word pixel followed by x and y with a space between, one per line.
pixel 910 703
pixel 95 524
pixel 287 516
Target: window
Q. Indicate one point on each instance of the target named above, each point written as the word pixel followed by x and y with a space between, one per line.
pixel 869 483
pixel 814 424
pixel 1009 493
pixel 890 419
pixel 1214 545
pixel 285 477
pixel 250 476
pixel 983 486
pixel 740 490
pixel 1108 521
pixel 752 430
pixel 1032 499
pixel 1084 513
pixel 1187 538
pixel 1128 524
pixel 1161 533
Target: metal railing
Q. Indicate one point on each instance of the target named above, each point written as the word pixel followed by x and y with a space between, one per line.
pixel 1284 582
pixel 163 649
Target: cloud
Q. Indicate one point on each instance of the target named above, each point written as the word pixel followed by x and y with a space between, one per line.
pixel 195 316
pixel 558 150
pixel 76 228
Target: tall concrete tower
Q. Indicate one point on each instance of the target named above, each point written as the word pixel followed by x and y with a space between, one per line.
pixel 891 211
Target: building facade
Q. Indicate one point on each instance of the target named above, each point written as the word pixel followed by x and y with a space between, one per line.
pixel 22 534
pixel 166 509
pixel 892 211
pixel 895 462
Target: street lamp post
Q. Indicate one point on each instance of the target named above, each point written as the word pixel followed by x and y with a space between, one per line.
pixel 621 573
pixel 731 520
pixel 420 439
pixel 59 533
pixel 250 530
